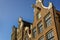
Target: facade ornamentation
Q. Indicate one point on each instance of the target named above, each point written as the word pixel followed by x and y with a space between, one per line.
pixel 45 26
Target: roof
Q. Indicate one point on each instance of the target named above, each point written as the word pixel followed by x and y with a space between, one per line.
pixel 58 12
pixel 26 23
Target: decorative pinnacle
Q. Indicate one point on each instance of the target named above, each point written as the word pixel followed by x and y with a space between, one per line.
pixel 20 19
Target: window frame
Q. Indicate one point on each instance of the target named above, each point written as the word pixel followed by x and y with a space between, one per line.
pixel 48 19
pixel 50 35
pixel 39 27
pixel 38 15
pixel 34 32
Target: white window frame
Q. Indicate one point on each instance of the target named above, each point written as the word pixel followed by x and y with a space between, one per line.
pixel 48 19
pixel 39 15
pixel 50 35
pixel 40 27
pixel 34 32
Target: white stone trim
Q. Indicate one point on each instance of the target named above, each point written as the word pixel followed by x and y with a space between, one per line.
pixel 26 28
pixel 17 30
pixel 29 35
pixel 21 25
pixel 20 19
pixel 50 5
pixel 36 1
pixel 40 0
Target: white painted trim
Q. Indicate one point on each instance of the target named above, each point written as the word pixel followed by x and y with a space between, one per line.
pixel 26 28
pixel 40 0
pixel 50 5
pixel 31 26
pixel 17 30
pixel 29 35
pixel 20 19
pixel 21 25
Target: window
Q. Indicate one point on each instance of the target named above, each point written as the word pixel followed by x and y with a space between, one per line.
pixel 48 19
pixel 34 32
pixel 42 38
pixel 38 15
pixel 50 35
pixel 40 28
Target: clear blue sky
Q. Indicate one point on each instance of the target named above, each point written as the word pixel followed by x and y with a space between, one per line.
pixel 11 10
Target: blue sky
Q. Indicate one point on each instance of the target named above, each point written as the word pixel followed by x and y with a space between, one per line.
pixel 11 10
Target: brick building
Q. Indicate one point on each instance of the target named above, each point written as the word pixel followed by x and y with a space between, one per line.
pixel 44 27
